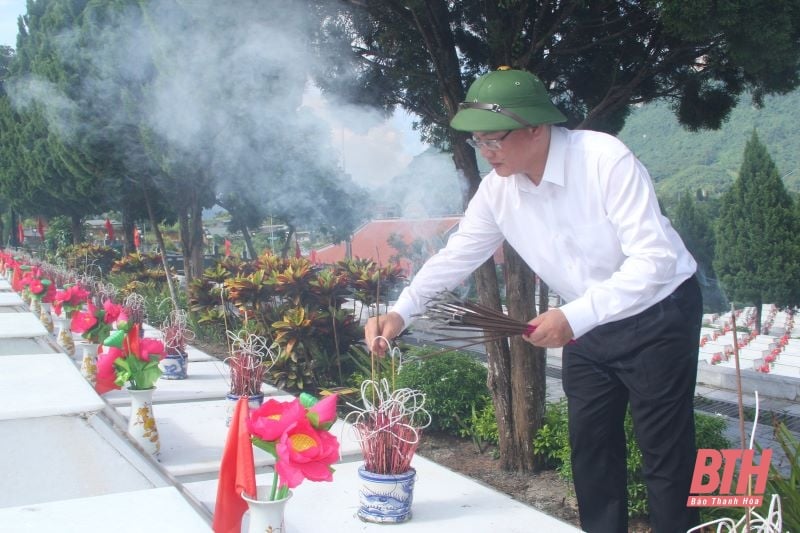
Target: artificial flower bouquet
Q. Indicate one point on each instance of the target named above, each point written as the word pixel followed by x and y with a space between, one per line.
pixel 70 299
pixel 297 433
pixel 35 284
pixel 130 360
pixel 95 323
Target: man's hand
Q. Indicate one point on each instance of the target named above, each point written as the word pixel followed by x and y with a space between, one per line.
pixel 387 326
pixel 552 330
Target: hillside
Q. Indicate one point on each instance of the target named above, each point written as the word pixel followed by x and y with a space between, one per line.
pixel 678 159
pixel 682 160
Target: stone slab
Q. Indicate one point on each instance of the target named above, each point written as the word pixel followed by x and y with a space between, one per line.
pixel 44 385
pixel 193 436
pixel 206 380
pixel 63 457
pixel 10 298
pixel 20 325
pixel 443 501
pixel 158 509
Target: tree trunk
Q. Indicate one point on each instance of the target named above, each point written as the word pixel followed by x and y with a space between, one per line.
pixel 13 240
pixel 248 242
pixel 528 363
pixel 197 238
pixel 162 248
pixel 128 245
pixel 287 242
pixel 183 228
pixel 77 230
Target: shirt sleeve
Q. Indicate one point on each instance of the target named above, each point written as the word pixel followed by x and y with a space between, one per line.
pixel 473 243
pixel 650 246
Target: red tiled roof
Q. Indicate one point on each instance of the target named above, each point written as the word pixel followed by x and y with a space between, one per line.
pixel 370 241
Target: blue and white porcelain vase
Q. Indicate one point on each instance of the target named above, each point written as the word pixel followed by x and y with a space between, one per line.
pixel 174 366
pixel 253 402
pixel 385 498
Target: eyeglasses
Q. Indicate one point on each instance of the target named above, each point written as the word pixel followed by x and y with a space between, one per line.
pixel 488 144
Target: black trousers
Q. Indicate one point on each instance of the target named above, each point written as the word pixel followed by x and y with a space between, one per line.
pixel 650 361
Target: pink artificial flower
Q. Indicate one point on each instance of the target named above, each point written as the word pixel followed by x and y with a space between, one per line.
pixel 271 420
pixel 76 295
pixel 106 373
pixel 306 453
pixel 83 321
pixel 112 311
pixel 148 347
pixel 326 410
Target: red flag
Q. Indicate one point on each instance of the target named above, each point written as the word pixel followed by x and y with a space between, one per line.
pixel 227 248
pixel 109 230
pixel 20 233
pixel 313 257
pixel 237 473
pixel 40 228
pixel 137 239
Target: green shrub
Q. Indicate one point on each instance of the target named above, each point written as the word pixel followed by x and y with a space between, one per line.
pixel 454 384
pixel 552 443
pixel 483 426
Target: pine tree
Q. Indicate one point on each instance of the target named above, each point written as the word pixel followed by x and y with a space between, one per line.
pixel 693 224
pixel 758 243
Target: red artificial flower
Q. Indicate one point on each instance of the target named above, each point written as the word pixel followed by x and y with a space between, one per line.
pixel 150 347
pixel 112 310
pixel 83 321
pixel 306 453
pixel 106 372
pixel 271 420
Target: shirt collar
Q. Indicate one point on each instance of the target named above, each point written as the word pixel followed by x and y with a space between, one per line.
pixel 554 167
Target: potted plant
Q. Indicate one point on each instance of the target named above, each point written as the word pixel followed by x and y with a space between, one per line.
pixel 249 360
pixel 177 335
pixel 388 426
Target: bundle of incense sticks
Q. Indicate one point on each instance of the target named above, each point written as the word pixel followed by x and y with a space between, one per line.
pixel 451 313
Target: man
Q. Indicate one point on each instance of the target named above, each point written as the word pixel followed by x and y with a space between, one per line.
pixel 581 210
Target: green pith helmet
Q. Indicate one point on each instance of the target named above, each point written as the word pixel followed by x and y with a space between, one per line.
pixel 506 99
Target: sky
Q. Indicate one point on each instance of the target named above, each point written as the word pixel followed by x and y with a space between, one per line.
pixel 371 154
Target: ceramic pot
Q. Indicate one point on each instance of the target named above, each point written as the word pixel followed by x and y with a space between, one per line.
pixel 266 516
pixel 253 402
pixel 46 318
pixel 36 306
pixel 174 366
pixel 385 498
pixel 141 423
pixel 64 337
pixel 89 361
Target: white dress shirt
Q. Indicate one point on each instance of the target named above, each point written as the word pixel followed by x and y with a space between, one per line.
pixel 592 230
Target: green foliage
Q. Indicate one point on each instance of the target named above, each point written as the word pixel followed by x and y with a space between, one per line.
pixel 454 383
pixel 682 161
pixel 298 307
pixel 692 222
pixel 757 256
pixel 482 426
pixel 552 443
pixel 89 258
pixel 785 486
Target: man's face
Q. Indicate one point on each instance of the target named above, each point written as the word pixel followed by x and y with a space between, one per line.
pixel 502 149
